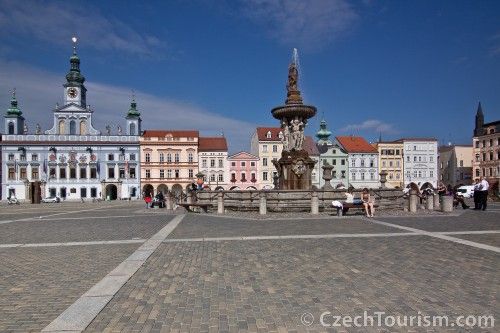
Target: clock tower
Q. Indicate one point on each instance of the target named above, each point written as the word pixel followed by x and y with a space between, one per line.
pixel 74 90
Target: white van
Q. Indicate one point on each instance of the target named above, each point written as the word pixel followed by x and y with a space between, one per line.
pixel 466 191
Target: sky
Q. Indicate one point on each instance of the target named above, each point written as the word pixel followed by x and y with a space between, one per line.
pixel 372 68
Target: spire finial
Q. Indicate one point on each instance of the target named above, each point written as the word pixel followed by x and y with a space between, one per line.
pixel 14 93
pixel 133 95
pixel 74 40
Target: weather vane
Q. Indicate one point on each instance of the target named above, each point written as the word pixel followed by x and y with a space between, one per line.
pixel 14 92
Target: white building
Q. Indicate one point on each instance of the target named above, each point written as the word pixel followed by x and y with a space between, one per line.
pixel 420 161
pixel 266 143
pixel 362 162
pixel 213 164
pixel 71 160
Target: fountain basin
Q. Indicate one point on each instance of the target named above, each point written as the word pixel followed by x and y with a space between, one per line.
pixel 291 111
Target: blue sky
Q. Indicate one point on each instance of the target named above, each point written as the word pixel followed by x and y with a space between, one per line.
pixel 402 68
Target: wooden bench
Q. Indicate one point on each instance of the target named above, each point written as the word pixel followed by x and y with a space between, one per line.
pixel 189 206
pixel 346 206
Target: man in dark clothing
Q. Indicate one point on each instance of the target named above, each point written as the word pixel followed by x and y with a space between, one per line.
pixel 477 194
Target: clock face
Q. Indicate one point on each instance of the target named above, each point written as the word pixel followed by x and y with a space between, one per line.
pixel 72 92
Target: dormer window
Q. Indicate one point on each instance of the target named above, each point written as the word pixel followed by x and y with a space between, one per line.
pixel 280 135
pixel 268 135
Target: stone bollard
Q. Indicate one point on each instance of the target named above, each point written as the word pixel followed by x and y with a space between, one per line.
pixel 413 201
pixel 263 203
pixel 189 198
pixel 314 203
pixel 220 203
pixel 169 201
pixel 429 202
pixel 447 204
pixel 437 204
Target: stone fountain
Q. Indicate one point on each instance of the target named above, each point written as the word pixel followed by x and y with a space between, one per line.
pixel 295 166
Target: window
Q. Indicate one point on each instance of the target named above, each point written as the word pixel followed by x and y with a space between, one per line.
pixel 407 158
pixel 243 164
pixel 397 163
pixel 275 148
pixel 62 130
pixel 12 174
pixel 11 157
pixel 121 172
pixel 212 177
pixel 83 192
pixel 342 174
pixel 221 163
pixel 342 162
pixel 420 158
pixel 190 157
pixel 420 174
pixel 477 144
pixel 93 173
pixel 362 162
pixel 148 157
pixel 264 162
pixel 383 163
pixel 34 173
pixel 477 173
pixel 461 163
pixel 132 129
pixel 220 178
pixel 414 147
pixel 176 158
pixel 111 172
pixel 169 173
pixel 162 157
pixel 243 177
pixel 131 172
pixel 397 151
pixel 62 172
pixel 176 173
pixel 233 164
pixel 72 173
pixel 22 157
pixel 431 158
pixel 362 176
pixel 431 173
pixel 93 192
pixel 169 158
pixel 414 158
pixel 162 173
pixel 253 177
pixel 264 176
pixel 132 157
pixel 203 163
pixel 372 163
pixel 11 128
pixel 372 176
pixel 72 190
pixel 190 173
pixel 72 127
pixel 233 177
pixel 22 173
pixel 398 175
pixel 390 164
pixel 148 173
pixel 491 156
pixel 111 157
pixel 353 175
pixel 34 157
pixel 212 163
pixel 353 163
pixel 415 173
pixel 334 161
pixel 264 148
pixel 334 174
pixel 268 135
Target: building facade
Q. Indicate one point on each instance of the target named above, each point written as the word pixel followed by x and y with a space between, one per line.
pixel 333 154
pixel 243 171
pixel 486 150
pixel 362 161
pixel 71 160
pixel 169 160
pixel 212 162
pixel 420 161
pixel 266 143
pixel 391 161
pixel 455 165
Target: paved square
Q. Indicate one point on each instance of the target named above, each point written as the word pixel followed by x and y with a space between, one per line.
pixel 206 273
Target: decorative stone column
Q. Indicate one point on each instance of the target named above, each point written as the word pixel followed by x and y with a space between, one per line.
pixel 383 178
pixel 220 203
pixel 314 203
pixel 413 201
pixel 447 204
pixel 429 202
pixel 327 176
pixel 437 204
pixel 262 203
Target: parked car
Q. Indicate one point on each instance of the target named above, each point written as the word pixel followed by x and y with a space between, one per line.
pixel 51 199
pixel 466 191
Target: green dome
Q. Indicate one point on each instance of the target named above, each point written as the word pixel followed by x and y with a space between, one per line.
pixel 13 110
pixel 323 134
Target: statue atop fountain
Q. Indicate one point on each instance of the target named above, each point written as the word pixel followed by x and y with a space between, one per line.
pixel 295 166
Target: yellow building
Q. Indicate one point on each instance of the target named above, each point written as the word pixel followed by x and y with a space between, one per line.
pixel 266 143
pixel 169 160
pixel 391 161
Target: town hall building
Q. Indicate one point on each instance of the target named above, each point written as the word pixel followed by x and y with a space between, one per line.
pixel 72 160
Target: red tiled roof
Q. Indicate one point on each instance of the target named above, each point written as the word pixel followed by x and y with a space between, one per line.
pixel 212 144
pixel 262 133
pixel 175 134
pixel 356 144
pixel 310 146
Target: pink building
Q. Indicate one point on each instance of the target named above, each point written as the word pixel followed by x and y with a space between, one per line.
pixel 243 171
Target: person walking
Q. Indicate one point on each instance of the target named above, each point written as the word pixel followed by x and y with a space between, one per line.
pixel 368 202
pixel 477 193
pixel 485 186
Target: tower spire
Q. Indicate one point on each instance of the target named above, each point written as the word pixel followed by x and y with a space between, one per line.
pixel 14 109
pixel 323 134
pixel 133 112
pixel 74 76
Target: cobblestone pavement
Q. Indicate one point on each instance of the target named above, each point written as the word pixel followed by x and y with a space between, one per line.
pixel 251 285
pixel 38 284
pixel 208 226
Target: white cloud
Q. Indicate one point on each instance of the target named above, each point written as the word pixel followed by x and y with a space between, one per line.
pixel 306 24
pixel 38 91
pixel 56 22
pixel 373 125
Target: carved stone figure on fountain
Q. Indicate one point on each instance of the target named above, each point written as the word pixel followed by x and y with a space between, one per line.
pixel 297 134
pixel 286 136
